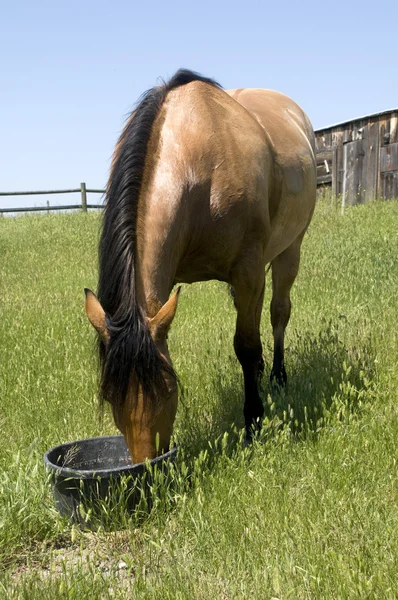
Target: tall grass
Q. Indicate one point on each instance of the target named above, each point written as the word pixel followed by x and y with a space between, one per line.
pixel 309 511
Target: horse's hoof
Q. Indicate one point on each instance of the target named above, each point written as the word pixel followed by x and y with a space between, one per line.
pixel 252 432
pixel 248 440
pixel 278 380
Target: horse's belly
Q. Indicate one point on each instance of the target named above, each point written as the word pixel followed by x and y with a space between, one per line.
pixel 193 269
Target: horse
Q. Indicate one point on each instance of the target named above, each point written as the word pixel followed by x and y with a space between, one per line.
pixel 204 184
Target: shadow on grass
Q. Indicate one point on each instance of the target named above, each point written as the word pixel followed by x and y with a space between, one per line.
pixel 326 379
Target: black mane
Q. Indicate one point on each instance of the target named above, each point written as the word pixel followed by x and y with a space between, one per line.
pixel 130 346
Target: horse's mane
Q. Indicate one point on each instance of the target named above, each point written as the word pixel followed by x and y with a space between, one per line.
pixel 130 345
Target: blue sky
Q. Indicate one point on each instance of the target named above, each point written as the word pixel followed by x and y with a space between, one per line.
pixel 71 71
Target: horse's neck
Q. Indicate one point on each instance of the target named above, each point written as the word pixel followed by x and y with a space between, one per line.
pixel 153 281
pixel 160 244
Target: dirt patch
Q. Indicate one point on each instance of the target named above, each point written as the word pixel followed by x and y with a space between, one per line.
pixel 109 554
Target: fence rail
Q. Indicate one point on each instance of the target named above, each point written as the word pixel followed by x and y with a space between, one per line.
pixel 83 190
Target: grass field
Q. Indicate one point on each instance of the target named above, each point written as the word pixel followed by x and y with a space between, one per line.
pixel 309 511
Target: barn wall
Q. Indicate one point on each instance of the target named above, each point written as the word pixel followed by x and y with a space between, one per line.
pixel 359 159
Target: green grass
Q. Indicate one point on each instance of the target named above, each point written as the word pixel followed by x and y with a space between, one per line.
pixel 309 511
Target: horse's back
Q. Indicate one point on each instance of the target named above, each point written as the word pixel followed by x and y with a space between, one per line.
pixel 276 113
pixel 217 134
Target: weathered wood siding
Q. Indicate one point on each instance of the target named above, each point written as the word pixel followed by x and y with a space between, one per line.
pixel 359 158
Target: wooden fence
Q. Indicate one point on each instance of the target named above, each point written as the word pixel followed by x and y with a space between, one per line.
pixel 83 190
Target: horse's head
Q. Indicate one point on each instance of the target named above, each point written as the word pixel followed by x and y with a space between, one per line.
pixel 146 422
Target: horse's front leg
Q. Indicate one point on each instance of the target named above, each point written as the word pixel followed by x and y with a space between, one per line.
pixel 248 348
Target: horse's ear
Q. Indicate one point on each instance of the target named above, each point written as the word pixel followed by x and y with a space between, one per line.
pixel 96 314
pixel 159 325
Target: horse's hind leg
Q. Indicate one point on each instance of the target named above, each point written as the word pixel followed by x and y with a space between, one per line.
pixel 248 299
pixel 284 271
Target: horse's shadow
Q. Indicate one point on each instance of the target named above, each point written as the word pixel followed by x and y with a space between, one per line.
pixel 327 378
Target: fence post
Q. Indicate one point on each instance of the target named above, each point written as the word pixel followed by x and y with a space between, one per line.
pixel 48 207
pixel 84 196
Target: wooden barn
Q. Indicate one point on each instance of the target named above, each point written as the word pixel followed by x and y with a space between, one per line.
pixel 359 158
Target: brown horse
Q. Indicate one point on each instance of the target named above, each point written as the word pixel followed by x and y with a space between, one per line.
pixel 204 184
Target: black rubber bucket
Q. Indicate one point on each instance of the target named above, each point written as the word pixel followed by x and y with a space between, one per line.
pixel 83 473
